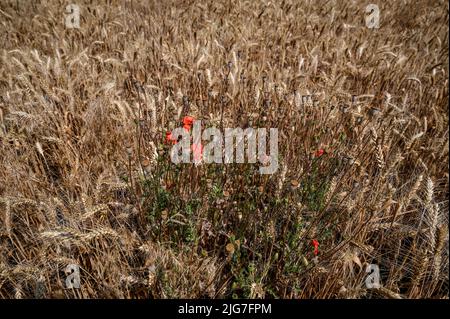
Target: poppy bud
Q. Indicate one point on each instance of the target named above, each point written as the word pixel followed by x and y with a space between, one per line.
pixel 315 243
pixel 320 152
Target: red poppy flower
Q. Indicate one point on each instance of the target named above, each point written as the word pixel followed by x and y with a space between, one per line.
pixel 188 121
pixel 315 243
pixel 169 138
pixel 320 152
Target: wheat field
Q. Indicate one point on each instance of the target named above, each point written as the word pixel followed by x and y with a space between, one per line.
pixel 85 171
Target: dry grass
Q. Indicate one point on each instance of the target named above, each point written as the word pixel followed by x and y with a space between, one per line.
pixel 85 177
